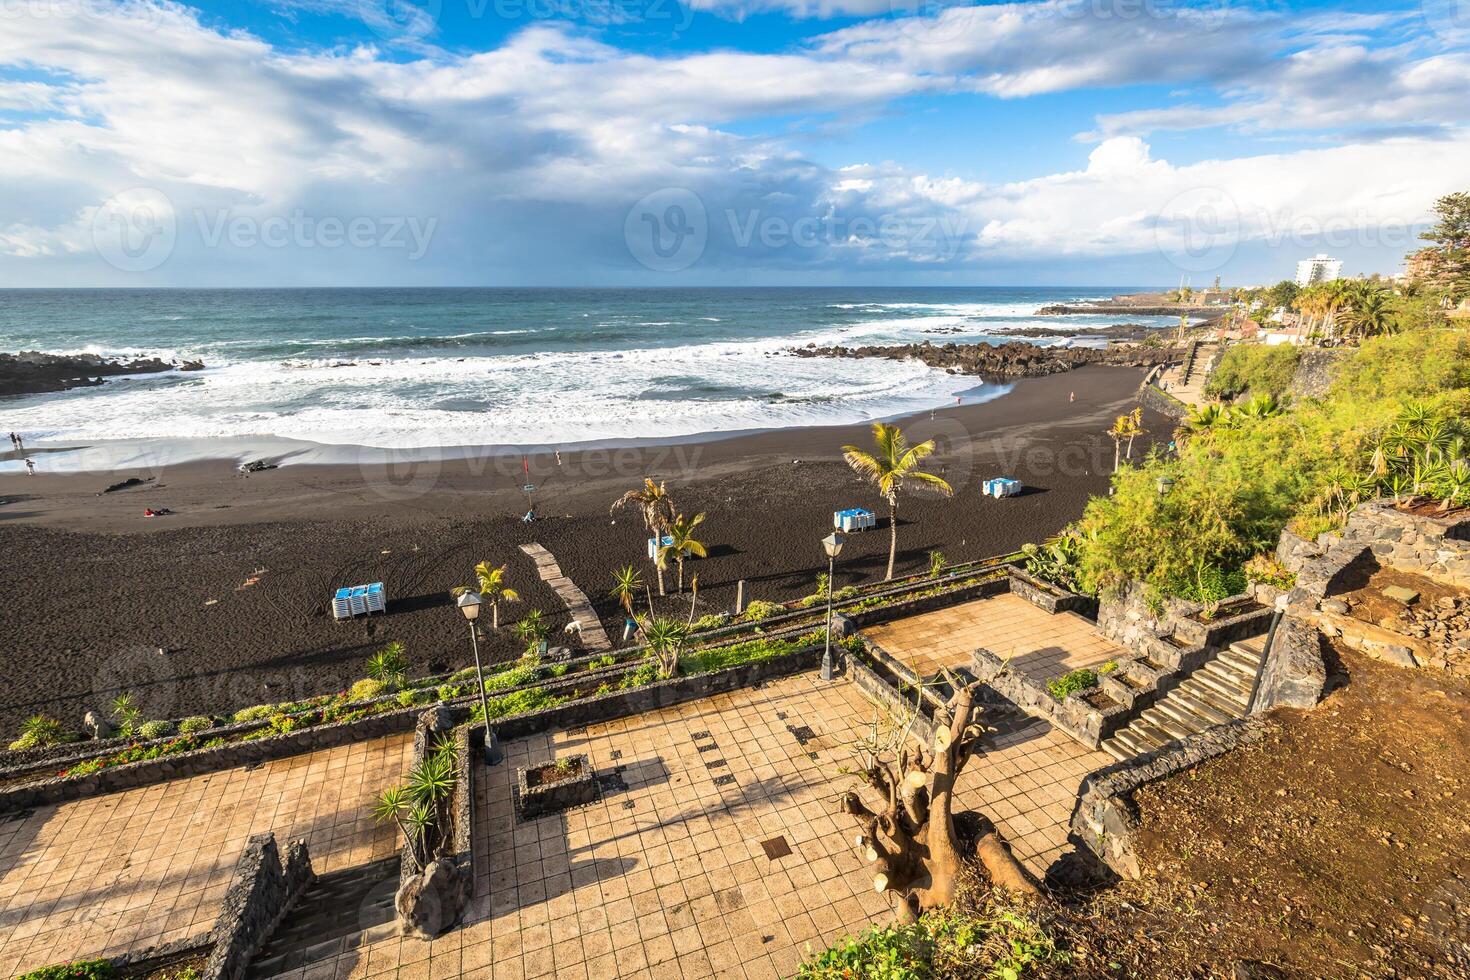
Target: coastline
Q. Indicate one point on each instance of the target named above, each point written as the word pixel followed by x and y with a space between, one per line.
pixel 233 584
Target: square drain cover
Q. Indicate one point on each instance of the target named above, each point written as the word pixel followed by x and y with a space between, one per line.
pixel 776 847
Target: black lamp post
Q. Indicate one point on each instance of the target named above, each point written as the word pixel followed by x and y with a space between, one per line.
pixel 469 604
pixel 833 545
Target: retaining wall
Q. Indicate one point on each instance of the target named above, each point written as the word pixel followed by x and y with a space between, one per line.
pixel 1294 673
pixel 261 893
pixel 1105 818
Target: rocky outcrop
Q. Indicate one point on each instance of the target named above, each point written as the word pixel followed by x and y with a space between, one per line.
pixel 1014 359
pixel 429 904
pixel 1110 308
pixel 32 372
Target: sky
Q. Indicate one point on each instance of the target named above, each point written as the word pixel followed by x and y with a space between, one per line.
pixel 721 142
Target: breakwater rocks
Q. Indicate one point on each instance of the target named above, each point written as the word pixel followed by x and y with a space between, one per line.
pixel 31 372
pixel 1195 313
pixel 1014 359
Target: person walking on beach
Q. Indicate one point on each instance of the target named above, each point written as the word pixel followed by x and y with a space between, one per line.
pixel 30 467
pixel 13 443
pixel 1072 396
pixel 20 443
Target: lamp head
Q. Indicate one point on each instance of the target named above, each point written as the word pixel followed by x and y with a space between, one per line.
pixel 469 604
pixel 833 544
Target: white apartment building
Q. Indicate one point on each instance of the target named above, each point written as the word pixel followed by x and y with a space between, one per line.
pixel 1319 268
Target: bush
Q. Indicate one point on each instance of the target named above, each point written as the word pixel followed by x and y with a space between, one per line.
pixel 254 712
pixel 407 699
pixel 1211 584
pixel 388 665
pixel 645 674
pixel 1255 368
pixel 448 692
pixel 77 970
pixel 154 729
pixel 40 731
pixel 367 689
pixel 1268 571
pixel 710 622
pixel 516 703
pixel 761 609
pixel 1077 680
pixel 195 724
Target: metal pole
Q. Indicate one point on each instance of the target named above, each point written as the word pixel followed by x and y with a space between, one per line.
pixel 1250 702
pixel 492 747
pixel 827 653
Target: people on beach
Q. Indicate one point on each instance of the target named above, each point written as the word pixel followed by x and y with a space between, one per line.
pixel 14 441
pixel 1072 396
pixel 30 467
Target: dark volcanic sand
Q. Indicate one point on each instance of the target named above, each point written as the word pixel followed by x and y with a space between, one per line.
pixel 90 588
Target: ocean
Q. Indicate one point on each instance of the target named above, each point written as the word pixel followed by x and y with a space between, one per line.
pixel 409 368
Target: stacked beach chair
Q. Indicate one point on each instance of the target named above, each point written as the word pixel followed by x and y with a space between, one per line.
pixel 359 600
pixel 1001 487
pixel 853 519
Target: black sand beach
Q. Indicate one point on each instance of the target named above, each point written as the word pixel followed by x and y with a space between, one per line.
pixel 235 584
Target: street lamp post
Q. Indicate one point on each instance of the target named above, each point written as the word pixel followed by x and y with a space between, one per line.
pixel 833 544
pixel 469 604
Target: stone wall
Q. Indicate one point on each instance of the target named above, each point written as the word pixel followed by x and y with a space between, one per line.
pixel 1294 673
pixel 1150 396
pixel 1314 370
pixel 1045 595
pixel 1073 714
pixel 1105 818
pixel 1136 613
pixel 261 893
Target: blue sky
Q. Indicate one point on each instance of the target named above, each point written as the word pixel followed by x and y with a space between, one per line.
pixel 649 142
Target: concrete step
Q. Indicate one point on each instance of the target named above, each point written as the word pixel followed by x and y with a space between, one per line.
pixel 1180 716
pixel 329 917
pixel 1200 703
pixel 1226 691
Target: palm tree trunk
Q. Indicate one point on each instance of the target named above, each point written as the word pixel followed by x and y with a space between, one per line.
pixel 1117 451
pixel 680 562
pixel 660 570
pixel 495 614
pixel 892 535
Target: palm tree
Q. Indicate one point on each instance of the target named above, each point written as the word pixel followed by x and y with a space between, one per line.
pixel 657 508
pixel 490 582
pixel 682 544
pixel 894 462
pixel 1135 429
pixel 1369 314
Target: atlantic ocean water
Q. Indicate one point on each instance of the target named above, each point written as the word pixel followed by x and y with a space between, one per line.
pixel 402 367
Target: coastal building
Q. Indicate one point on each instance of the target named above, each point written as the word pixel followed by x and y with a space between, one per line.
pixel 1319 268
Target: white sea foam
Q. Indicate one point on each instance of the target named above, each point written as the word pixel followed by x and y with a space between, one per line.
pixel 537 398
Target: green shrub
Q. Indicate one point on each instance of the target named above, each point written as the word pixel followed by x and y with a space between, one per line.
pixel 1071 683
pixel 388 665
pixel 367 689
pixel 448 692
pixel 155 729
pixel 516 703
pixel 710 622
pixel 254 712
pixel 761 609
pixel 407 699
pixel 994 942
pixel 1255 368
pixel 526 670
pixel 76 970
pixel 40 731
pixel 638 677
pixel 1211 584
pixel 195 724
pixel 749 651
pixel 1266 570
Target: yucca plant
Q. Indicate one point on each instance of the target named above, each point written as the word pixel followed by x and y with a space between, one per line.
pixel 388 666
pixel 531 629
pixel 127 714
pixel 666 639
pixel 393 804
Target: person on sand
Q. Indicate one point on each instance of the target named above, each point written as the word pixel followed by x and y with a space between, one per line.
pixel 13 442
pixel 30 467
pixel 1072 397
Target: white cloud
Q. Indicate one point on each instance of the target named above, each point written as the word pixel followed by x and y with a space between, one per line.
pixel 529 155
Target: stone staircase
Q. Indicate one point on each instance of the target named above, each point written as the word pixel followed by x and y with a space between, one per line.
pixel 1216 692
pixel 331 918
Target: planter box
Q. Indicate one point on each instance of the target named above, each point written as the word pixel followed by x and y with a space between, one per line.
pixel 1045 595
pixel 542 790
